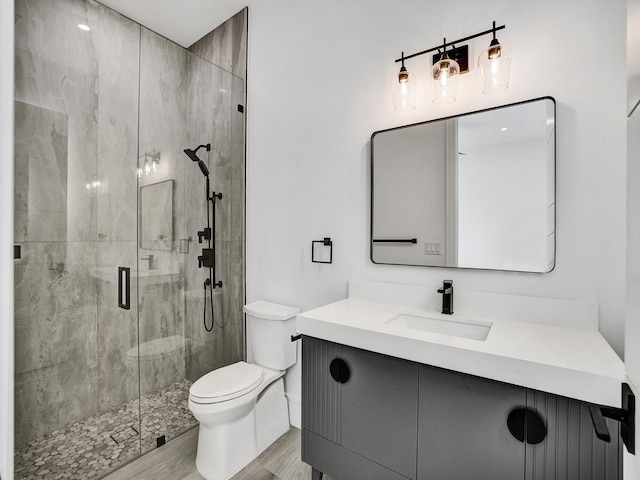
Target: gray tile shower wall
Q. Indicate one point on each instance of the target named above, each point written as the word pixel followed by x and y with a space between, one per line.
pixel 226 46
pixel 224 88
pixel 88 104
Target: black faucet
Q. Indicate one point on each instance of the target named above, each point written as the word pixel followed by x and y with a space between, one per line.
pixel 447 296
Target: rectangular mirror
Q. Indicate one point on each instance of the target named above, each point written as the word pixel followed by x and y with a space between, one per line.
pixel 472 191
pixel 156 216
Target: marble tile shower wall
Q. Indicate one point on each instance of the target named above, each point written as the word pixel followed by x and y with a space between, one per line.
pixel 79 118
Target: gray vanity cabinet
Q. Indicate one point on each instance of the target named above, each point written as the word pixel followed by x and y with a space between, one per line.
pixel 367 416
pixel 463 429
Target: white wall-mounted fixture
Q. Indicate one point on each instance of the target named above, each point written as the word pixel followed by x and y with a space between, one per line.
pixel 494 63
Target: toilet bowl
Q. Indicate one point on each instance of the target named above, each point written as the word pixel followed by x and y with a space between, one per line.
pixel 242 408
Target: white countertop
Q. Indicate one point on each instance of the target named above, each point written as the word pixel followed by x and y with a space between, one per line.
pixel 572 362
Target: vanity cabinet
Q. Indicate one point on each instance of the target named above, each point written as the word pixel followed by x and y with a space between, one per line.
pixel 368 416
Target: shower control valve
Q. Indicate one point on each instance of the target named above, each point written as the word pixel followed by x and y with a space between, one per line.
pixel 206 259
pixel 206 234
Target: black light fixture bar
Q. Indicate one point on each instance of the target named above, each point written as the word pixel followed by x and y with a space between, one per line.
pixel 448 44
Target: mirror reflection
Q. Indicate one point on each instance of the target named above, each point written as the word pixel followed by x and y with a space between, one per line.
pixel 156 216
pixel 472 191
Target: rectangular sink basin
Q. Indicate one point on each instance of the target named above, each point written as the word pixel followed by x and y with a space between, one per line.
pixel 454 327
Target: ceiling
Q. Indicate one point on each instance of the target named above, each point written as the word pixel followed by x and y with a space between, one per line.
pixel 183 21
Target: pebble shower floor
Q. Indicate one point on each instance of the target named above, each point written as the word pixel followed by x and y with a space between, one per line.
pixel 93 447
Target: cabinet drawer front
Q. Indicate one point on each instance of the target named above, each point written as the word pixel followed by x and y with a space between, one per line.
pixel 321 394
pixel 463 427
pixel 380 409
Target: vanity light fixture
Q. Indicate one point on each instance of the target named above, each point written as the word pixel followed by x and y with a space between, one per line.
pixel 84 27
pixel 494 64
pixel 403 89
pixel 94 185
pixel 151 164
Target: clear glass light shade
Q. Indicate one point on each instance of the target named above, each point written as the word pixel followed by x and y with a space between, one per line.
pixel 445 80
pixel 495 67
pixel 403 91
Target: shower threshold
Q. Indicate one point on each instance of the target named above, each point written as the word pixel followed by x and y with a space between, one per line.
pixel 95 446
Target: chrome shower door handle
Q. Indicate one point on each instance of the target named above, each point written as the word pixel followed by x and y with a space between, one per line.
pixel 124 288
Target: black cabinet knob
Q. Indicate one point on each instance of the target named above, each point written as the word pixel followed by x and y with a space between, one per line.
pixel 526 425
pixel 339 370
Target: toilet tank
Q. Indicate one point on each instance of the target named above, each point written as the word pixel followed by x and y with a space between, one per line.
pixel 270 328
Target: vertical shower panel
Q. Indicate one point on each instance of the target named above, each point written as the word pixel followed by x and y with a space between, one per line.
pixel 75 186
pixel 56 145
pixel 161 318
pixel 222 119
pixel 185 101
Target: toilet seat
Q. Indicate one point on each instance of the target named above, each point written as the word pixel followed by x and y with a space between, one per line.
pixel 226 383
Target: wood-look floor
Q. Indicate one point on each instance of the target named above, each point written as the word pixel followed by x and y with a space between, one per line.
pixel 177 461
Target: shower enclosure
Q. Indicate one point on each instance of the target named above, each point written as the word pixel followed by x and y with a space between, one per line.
pixel 102 117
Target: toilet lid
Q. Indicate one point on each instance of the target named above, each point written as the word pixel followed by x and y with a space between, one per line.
pixel 226 383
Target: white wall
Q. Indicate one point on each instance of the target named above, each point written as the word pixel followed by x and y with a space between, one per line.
pixel 632 333
pixel 318 86
pixel 6 241
pixel 497 183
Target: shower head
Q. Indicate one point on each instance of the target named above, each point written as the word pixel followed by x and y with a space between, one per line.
pixel 203 168
pixel 192 155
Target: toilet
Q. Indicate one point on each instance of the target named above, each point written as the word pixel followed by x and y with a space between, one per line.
pixel 242 408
